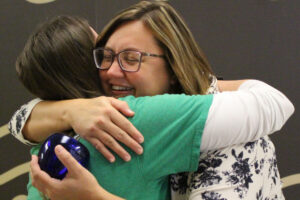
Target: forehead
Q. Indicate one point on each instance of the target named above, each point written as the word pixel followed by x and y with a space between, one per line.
pixel 132 35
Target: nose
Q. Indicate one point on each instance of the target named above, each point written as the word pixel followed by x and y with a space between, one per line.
pixel 115 70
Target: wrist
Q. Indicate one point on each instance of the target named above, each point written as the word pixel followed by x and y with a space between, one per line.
pixel 101 194
pixel 66 113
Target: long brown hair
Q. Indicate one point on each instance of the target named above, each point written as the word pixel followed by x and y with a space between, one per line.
pixel 57 62
pixel 184 57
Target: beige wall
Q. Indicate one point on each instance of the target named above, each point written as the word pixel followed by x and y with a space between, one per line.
pixel 242 39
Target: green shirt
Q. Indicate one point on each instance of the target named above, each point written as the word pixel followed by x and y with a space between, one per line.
pixel 172 126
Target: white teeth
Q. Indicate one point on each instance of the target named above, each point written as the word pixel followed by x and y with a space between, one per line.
pixel 120 88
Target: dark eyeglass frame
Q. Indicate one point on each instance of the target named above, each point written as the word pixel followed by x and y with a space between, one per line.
pixel 119 59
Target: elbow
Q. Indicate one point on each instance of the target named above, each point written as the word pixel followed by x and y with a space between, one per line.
pixel 271 113
pixel 289 109
pixel 285 111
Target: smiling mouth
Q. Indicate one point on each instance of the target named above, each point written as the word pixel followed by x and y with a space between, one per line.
pixel 121 88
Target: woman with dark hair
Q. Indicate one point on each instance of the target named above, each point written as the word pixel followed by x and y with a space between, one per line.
pixel 156 54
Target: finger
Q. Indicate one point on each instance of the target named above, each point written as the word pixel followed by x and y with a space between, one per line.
pixel 124 124
pixel 33 170
pixel 111 143
pixel 34 162
pixel 123 137
pixel 102 149
pixel 121 106
pixel 40 179
pixel 67 160
pixel 120 121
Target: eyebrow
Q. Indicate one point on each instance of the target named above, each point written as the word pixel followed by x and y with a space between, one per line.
pixel 126 49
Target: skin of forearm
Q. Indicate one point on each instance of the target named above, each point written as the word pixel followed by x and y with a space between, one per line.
pixel 102 194
pixel 41 125
pixel 230 85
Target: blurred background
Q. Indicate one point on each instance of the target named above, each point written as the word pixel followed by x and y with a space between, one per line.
pixel 257 39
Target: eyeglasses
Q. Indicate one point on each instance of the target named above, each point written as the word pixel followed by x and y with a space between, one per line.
pixel 129 60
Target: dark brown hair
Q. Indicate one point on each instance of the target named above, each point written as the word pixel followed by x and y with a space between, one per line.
pixel 57 61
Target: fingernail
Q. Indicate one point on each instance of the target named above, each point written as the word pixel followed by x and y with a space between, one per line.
pixel 127 158
pixel 130 111
pixel 58 148
pixel 140 150
pixel 141 139
pixel 112 160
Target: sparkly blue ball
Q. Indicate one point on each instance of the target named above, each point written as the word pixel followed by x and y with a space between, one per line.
pixel 50 163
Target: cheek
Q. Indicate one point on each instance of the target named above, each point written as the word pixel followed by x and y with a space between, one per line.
pixel 103 79
pixel 150 84
pixel 136 79
pixel 102 75
pixel 140 82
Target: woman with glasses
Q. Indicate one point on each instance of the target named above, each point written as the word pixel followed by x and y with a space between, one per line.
pixel 140 53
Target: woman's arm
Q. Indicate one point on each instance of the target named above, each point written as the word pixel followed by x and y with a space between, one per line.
pixel 229 85
pixel 18 120
pixel 78 184
pixel 97 120
pixel 46 118
pixel 174 125
pixel 255 110
pixel 38 119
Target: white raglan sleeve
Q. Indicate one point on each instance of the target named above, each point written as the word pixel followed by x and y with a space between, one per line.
pixel 19 119
pixel 256 109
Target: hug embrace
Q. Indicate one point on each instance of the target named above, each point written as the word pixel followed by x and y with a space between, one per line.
pixel 142 97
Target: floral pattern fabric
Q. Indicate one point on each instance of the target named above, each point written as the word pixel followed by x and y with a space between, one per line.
pixel 245 171
pixel 19 119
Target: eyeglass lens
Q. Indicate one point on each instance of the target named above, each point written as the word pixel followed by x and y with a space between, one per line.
pixel 129 60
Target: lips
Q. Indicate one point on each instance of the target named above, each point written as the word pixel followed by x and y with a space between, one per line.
pixel 121 91
pixel 121 88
